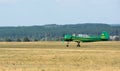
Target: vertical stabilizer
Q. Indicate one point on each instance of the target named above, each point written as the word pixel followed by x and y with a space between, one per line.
pixel 105 36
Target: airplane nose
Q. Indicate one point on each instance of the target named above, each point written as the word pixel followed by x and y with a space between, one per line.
pixel 67 37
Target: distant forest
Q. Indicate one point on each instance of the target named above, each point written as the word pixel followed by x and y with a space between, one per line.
pixel 54 32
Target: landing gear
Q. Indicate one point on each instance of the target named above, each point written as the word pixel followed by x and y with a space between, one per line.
pixel 67 44
pixel 78 44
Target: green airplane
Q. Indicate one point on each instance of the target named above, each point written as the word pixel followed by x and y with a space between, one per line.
pixel 85 38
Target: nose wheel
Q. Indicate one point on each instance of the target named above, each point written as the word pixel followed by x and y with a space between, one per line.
pixel 67 44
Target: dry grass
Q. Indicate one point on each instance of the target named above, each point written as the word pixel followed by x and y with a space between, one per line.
pixel 54 56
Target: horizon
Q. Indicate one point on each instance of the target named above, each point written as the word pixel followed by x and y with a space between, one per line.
pixel 36 12
pixel 58 24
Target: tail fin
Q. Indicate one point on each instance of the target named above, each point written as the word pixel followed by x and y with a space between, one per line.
pixel 104 36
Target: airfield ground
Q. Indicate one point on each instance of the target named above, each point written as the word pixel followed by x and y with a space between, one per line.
pixel 55 56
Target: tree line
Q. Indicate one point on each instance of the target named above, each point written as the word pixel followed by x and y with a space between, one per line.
pixel 54 32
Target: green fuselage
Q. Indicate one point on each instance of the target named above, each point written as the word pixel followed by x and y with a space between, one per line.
pixel 83 39
pixel 86 39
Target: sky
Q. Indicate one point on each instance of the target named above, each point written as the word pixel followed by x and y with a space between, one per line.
pixel 41 12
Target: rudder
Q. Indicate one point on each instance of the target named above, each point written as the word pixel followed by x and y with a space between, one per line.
pixel 105 36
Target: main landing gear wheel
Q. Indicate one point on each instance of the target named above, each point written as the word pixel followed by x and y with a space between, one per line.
pixel 78 44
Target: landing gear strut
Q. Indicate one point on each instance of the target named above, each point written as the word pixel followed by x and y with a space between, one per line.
pixel 67 44
pixel 78 44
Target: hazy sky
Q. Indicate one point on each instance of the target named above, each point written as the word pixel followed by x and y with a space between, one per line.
pixel 40 12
